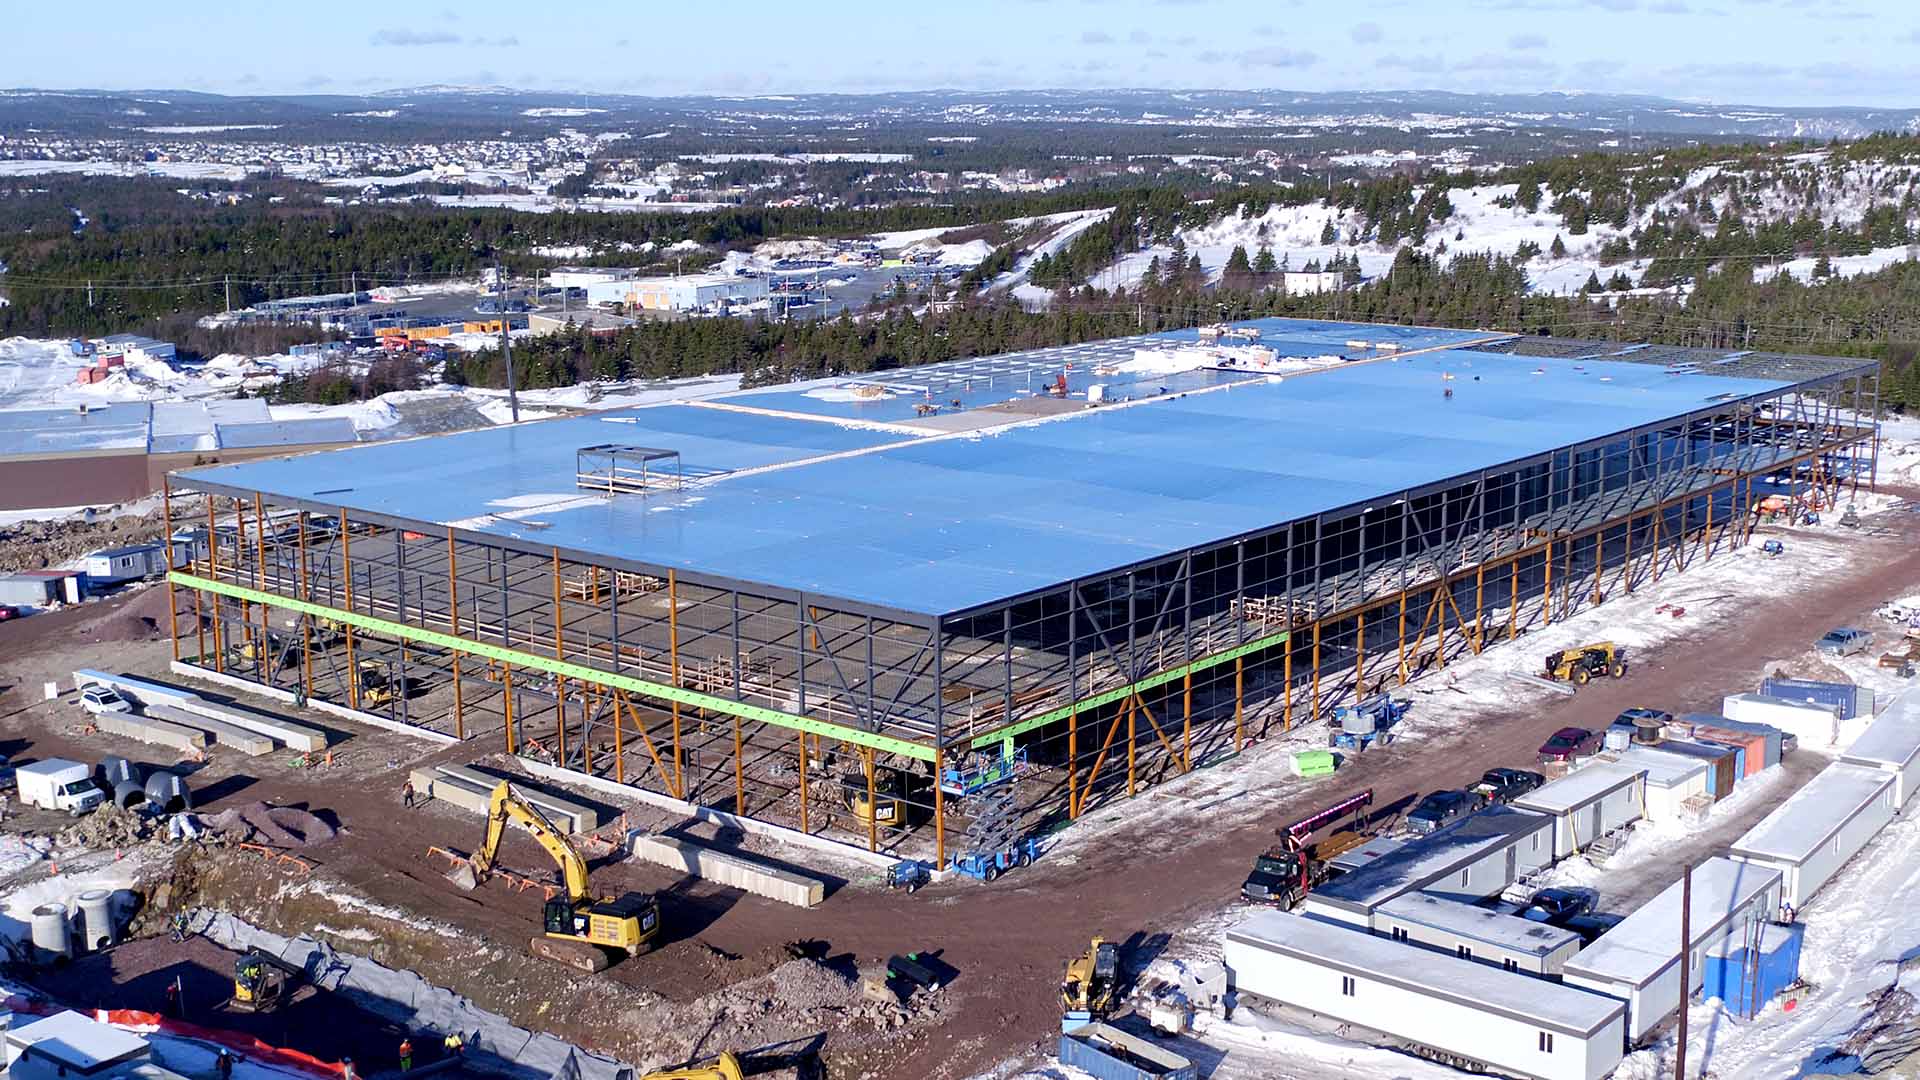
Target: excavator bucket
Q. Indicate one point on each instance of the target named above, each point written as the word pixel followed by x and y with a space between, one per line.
pixel 463 877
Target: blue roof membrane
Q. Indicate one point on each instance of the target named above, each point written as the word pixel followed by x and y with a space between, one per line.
pixel 944 524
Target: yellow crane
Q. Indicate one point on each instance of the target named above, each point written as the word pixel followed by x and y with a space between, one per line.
pixel 579 927
pixel 724 1067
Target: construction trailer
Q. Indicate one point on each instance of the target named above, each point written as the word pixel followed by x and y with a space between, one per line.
pixel 1471 859
pixel 1638 961
pixel 1812 725
pixel 1467 1014
pixel 1471 932
pixel 1811 835
pixel 825 583
pixel 1669 780
pixel 1588 803
pixel 1892 743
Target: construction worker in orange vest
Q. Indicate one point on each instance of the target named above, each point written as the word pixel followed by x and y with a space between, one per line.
pixel 406 1054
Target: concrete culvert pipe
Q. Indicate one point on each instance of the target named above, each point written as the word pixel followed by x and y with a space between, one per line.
pixel 127 795
pixel 168 792
pixel 96 928
pixel 50 934
pixel 114 771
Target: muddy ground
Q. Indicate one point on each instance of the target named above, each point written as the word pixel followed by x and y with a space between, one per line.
pixel 711 982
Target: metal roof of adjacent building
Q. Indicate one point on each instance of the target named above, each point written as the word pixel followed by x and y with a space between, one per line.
pixel 1426 859
pixel 1510 932
pixel 120 427
pixel 1810 817
pixel 826 495
pixel 1551 1005
pixel 1584 785
pixel 1646 942
pixel 78 1042
pixel 1893 740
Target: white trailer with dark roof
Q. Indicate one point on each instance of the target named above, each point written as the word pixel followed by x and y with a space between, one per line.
pixel 1811 835
pixel 1588 803
pixel 1638 961
pixel 1468 1013
pixel 1892 744
pixel 1470 932
pixel 1469 860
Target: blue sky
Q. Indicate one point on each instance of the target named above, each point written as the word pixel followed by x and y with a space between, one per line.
pixel 1775 52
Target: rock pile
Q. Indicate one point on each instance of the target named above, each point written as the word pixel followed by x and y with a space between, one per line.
pixel 107 827
pixel 278 826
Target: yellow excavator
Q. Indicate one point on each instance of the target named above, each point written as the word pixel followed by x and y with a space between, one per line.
pixel 724 1067
pixel 580 928
pixel 1091 982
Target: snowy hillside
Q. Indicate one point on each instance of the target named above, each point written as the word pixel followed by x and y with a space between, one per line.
pixel 1487 218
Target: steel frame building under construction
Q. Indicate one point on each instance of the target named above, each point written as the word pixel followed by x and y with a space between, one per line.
pixel 981 596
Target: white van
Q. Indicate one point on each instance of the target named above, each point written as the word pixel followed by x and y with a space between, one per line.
pixel 59 784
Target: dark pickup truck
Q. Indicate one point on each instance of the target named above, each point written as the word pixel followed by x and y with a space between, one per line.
pixel 1506 785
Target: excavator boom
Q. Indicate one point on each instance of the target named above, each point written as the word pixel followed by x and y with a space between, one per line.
pixel 507 805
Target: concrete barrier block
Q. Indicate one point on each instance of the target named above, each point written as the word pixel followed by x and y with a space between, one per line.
pixel 575 817
pixel 471 789
pixel 224 734
pixel 728 868
pixel 146 730
pixel 295 735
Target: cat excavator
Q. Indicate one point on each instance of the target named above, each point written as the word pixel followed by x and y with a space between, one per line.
pixel 580 928
pixel 724 1067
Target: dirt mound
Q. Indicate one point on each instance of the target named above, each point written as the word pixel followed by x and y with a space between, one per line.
pixel 35 545
pixel 107 827
pixel 279 826
pixel 143 618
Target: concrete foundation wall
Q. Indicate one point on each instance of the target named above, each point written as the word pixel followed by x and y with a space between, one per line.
pixel 730 869
pixel 471 789
pixel 148 730
pixel 295 735
pixel 247 742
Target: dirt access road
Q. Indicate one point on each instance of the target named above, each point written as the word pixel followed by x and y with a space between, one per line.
pixel 1007 941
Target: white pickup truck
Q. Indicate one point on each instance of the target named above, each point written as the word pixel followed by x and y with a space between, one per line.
pixel 59 784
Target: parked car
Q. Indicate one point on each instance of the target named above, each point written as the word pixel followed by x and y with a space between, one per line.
pixel 8 611
pixel 1844 641
pixel 103 699
pixel 1442 807
pixel 1591 925
pixel 1566 744
pixel 1555 906
pixel 1505 785
pixel 6 773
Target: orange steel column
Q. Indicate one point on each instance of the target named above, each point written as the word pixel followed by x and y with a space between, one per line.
pixel 1133 727
pixel 1403 639
pixel 873 807
pixel 803 782
pixel 506 684
pixel 1513 600
pixel 1073 758
pixel 1315 715
pixel 453 624
pixel 1239 673
pixel 739 771
pixel 1186 723
pixel 939 814
pixel 1479 606
pixel 305 593
pixel 1546 592
pixel 1360 655
pixel 559 653
pixel 619 737
pixel 213 564
pixel 346 577
pixel 1286 686
pixel 673 665
pixel 166 515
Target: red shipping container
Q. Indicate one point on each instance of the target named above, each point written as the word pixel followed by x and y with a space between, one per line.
pixel 1754 745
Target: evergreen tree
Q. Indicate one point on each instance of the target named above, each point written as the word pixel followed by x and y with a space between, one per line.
pixel 1238 265
pixel 1528 197
pixel 1326 233
pixel 1263 263
pixel 1823 267
pixel 1195 272
pixel 1152 277
pixel 1559 248
pixel 1592 285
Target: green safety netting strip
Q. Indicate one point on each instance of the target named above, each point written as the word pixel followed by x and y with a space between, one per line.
pixel 517 658
pixel 1118 693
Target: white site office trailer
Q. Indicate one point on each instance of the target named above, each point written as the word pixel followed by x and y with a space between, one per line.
pixel 1470 932
pixel 1892 743
pixel 1811 835
pixel 1638 961
pixel 1671 779
pixel 1503 1021
pixel 1588 803
pixel 1470 860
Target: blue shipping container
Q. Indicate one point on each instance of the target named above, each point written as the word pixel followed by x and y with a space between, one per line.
pixel 1745 978
pixel 1850 700
pixel 1112 1054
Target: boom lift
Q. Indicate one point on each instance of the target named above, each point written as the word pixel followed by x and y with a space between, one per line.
pixel 580 928
pixel 1287 871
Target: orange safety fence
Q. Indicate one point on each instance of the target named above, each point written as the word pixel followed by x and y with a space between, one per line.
pixel 244 1045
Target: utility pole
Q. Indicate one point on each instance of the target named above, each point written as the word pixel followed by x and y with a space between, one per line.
pixel 506 344
pixel 229 283
pixel 1686 972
